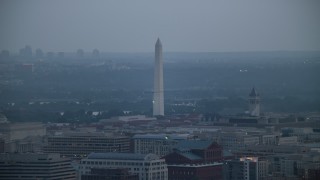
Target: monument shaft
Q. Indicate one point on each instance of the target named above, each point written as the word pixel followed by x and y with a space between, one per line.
pixel 158 102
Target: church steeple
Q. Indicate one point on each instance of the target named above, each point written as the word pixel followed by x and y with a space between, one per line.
pixel 254 103
pixel 253 93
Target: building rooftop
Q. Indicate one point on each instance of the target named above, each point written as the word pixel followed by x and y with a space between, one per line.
pixel 190 155
pixel 88 134
pixel 162 136
pixel 226 153
pixel 30 157
pixel 193 144
pixel 123 156
pixel 196 165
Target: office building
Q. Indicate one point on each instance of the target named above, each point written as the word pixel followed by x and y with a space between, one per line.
pixel 35 166
pixel 147 166
pixel 159 144
pixel 78 145
pixel 236 141
pixel 247 168
pixel 19 131
pixel 111 174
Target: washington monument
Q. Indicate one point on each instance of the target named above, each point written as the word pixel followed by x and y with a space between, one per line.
pixel 158 105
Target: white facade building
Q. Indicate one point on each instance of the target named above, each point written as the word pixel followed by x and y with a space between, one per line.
pixel 291 140
pixel 269 139
pixel 148 167
pixel 35 166
pixel 159 144
pixel 236 141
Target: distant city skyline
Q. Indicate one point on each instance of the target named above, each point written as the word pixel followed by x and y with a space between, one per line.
pixel 185 26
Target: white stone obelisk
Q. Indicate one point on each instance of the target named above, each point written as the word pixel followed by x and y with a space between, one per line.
pixel 158 103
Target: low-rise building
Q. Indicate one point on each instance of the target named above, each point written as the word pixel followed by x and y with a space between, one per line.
pixel 18 131
pixel 292 140
pixel 236 141
pixel 303 166
pixel 267 150
pixel 159 144
pixel 269 139
pixel 111 174
pixel 35 166
pixel 78 145
pixel 147 166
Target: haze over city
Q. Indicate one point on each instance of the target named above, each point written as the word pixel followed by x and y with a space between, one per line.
pixel 185 25
pixel 160 90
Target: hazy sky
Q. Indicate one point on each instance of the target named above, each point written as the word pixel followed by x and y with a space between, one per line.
pixel 182 25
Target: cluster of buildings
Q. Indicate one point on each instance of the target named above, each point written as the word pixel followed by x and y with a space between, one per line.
pixel 251 146
pixel 28 53
pixel 139 151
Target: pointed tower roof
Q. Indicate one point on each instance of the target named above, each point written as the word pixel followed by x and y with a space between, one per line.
pixel 158 43
pixel 253 93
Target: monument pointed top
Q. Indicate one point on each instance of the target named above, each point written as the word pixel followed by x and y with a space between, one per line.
pixel 158 43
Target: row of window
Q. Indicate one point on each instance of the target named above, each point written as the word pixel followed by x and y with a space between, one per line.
pixel 121 163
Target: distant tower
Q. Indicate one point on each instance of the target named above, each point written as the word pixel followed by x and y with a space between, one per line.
pixel 254 103
pixel 158 103
pixel 80 53
pixel 95 53
pixel 39 53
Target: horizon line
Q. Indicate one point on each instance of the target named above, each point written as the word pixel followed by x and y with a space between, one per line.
pixel 130 52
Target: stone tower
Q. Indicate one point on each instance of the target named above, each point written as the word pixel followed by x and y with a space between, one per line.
pixel 254 103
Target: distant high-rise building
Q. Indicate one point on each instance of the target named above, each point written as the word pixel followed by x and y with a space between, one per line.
pixel 39 53
pixel 158 100
pixel 50 55
pixel 5 54
pixel 254 103
pixel 80 53
pixel 26 52
pixel 95 53
pixel 60 54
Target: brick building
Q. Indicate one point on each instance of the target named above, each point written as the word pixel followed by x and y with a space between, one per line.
pixel 195 160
